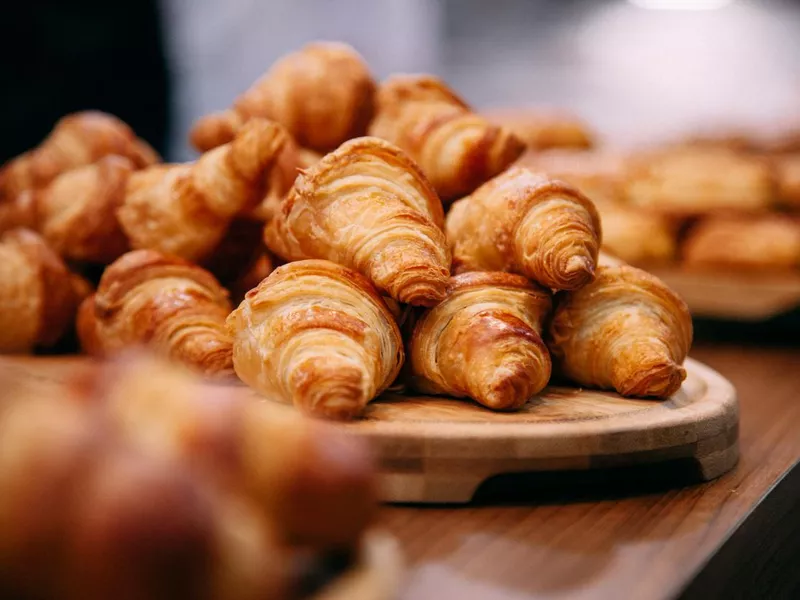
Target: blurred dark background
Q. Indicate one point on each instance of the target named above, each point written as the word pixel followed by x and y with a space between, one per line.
pixel 635 69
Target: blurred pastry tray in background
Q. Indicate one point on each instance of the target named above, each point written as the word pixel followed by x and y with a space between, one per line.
pixel 735 295
pixel 440 450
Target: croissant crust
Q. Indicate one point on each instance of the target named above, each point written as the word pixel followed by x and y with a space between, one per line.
pixel 457 149
pixel 525 223
pixel 318 335
pixel 173 306
pixel 625 331
pixel 368 206
pixel 483 341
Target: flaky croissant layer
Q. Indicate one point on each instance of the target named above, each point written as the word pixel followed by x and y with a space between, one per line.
pixel 161 301
pixel 318 335
pixel 367 206
pixel 483 341
pixel 626 331
pixel 523 222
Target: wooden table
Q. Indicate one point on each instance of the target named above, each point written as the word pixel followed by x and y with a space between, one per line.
pixel 636 533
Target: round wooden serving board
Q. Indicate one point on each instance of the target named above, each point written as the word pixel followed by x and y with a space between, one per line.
pixel 440 450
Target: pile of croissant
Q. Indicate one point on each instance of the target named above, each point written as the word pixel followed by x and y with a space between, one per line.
pixel 412 250
pixel 708 204
pixel 137 480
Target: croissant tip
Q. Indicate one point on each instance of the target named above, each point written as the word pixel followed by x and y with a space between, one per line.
pixel 659 381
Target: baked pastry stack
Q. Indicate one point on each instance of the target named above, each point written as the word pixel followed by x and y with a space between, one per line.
pixel 409 249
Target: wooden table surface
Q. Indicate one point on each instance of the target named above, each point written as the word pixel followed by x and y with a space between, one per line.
pixel 641 534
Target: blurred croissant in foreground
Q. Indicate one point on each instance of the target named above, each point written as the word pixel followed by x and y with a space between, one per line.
pixel 367 206
pixel 524 223
pixel 323 94
pixel 78 139
pixel 38 294
pixel 457 149
pixel 484 341
pixel 317 335
pixel 174 307
pixel 137 478
pixel 625 331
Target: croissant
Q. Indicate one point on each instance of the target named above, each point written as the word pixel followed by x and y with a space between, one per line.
pixel 38 298
pixel 542 128
pixel 690 181
pixel 185 210
pixel 525 223
pixel 175 307
pixel 323 94
pixel 318 335
pixel 76 212
pixel 625 331
pixel 78 139
pixel 638 237
pixel 457 149
pixel 313 481
pixel 770 242
pixel 368 206
pixel 86 514
pixel 483 341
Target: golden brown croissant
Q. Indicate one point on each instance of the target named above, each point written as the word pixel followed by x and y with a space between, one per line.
pixel 525 223
pixel 483 341
pixel 543 128
pixel 38 300
pixel 687 181
pixel 84 513
pixel 170 305
pixel 638 237
pixel 323 94
pixel 770 242
pixel 625 331
pixel 78 139
pixel 313 481
pixel 457 149
pixel 76 212
pixel 185 210
pixel 368 206
pixel 318 335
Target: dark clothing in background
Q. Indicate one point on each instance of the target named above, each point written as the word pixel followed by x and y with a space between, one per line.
pixel 61 56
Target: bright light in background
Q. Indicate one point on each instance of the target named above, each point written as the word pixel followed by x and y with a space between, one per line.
pixel 681 4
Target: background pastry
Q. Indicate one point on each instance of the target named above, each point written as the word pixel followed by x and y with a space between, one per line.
pixel 638 237
pixel 483 341
pixel 788 172
pixel 38 299
pixel 317 335
pixel 768 242
pixel 525 223
pixel 76 140
pixel 368 206
pixel 172 306
pixel 687 181
pixel 457 149
pixel 542 128
pixel 323 94
pixel 625 331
